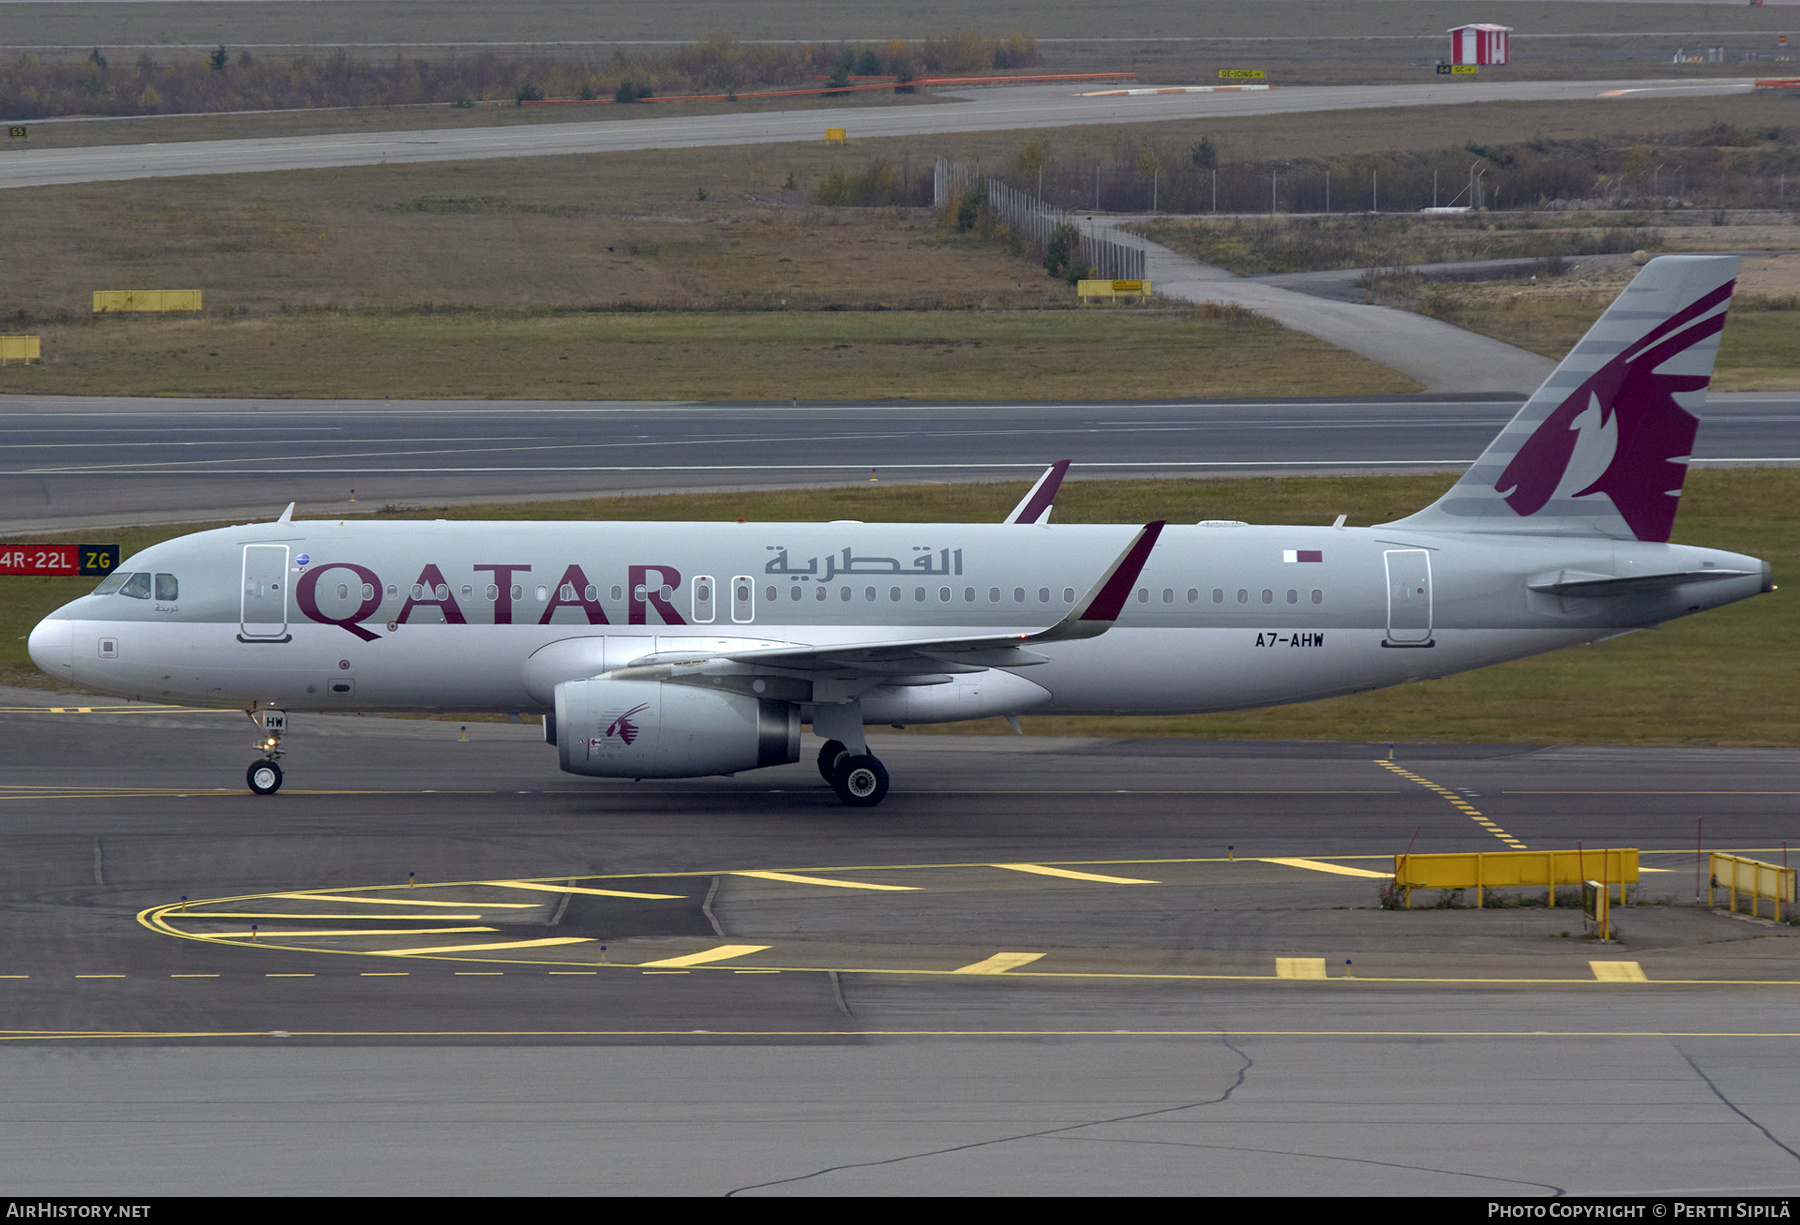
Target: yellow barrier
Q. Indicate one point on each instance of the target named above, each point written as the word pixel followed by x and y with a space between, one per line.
pixel 834 136
pixel 106 300
pixel 1480 870
pixel 1759 880
pixel 1112 289
pixel 19 349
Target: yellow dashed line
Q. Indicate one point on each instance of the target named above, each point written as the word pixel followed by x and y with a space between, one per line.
pixel 794 879
pixel 725 952
pixel 999 963
pixel 526 884
pixel 1315 865
pixel 394 901
pixel 1039 869
pixel 483 948
pixel 1462 805
pixel 1299 967
pixel 283 934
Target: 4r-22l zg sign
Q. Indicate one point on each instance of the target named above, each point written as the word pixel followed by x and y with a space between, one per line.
pixel 59 560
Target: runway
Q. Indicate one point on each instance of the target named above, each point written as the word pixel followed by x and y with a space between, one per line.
pixel 75 462
pixel 977 110
pixel 1066 980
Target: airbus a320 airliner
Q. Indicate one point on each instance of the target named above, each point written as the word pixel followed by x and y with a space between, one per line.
pixel 682 649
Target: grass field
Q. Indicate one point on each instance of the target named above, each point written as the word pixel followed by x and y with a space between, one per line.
pixel 1727 677
pixel 1759 350
pixel 314 22
pixel 770 355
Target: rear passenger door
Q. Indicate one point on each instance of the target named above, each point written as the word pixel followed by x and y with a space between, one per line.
pixel 263 615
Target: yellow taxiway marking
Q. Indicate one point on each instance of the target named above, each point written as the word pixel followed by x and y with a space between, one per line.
pixel 385 974
pixel 480 973
pixel 1299 967
pixel 270 914
pixel 526 884
pixel 725 952
pixel 999 963
pixel 1314 865
pixel 287 976
pixel 116 710
pixel 573 973
pixel 795 879
pixel 1618 971
pixel 99 976
pixel 41 1035
pixel 392 901
pixel 482 948
pixel 665 971
pixel 1461 804
pixel 283 934
pixel 1038 869
pixel 193 976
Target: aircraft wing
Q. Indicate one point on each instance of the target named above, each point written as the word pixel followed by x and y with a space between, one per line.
pixel 1093 614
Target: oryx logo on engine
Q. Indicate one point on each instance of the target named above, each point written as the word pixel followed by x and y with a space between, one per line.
pixel 621 728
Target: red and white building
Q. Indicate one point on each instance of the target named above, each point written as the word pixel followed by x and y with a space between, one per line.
pixel 1480 44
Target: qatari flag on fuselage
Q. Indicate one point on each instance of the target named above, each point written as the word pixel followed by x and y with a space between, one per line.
pixel 1302 555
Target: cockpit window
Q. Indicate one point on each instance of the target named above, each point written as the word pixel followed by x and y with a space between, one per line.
pixel 137 587
pixel 167 588
pixel 111 582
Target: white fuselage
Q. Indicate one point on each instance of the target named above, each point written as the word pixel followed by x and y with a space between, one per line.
pixel 490 616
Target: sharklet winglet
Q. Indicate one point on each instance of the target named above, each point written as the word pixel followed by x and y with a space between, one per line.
pixel 1034 507
pixel 1096 611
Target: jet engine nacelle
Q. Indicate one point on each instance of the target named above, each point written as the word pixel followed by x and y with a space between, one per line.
pixel 648 729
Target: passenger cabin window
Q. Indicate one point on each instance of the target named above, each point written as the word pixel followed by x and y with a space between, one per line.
pixel 1318 596
pixel 137 587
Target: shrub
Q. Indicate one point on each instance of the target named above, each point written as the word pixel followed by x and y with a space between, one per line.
pixel 528 93
pixel 968 210
pixel 219 58
pixel 876 187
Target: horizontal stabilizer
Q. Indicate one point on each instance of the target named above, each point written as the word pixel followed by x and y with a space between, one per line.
pixel 1582 583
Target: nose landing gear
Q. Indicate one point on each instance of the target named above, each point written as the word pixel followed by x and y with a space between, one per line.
pixel 264 776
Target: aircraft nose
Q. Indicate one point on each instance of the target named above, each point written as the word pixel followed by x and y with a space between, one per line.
pixel 52 646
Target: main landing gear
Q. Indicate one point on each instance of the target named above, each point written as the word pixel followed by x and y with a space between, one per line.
pixel 264 776
pixel 859 779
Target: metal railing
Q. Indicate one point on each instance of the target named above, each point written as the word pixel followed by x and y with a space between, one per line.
pixel 1035 221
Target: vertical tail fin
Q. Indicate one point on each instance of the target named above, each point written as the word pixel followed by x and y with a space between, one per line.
pixel 1602 448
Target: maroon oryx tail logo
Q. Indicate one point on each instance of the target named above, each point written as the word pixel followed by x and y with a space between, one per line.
pixel 623 727
pixel 1651 434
